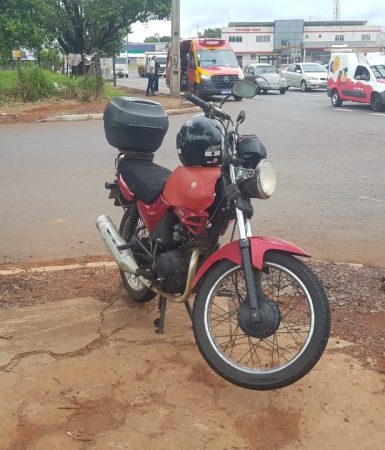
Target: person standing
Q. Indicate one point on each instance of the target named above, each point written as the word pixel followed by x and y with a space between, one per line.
pixel 150 76
pixel 156 76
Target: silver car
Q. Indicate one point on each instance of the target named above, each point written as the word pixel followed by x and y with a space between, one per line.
pixel 265 77
pixel 305 76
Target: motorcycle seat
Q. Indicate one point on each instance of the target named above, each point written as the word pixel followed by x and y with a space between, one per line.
pixel 145 179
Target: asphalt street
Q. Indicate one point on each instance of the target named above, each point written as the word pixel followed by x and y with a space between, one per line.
pixel 137 82
pixel 330 198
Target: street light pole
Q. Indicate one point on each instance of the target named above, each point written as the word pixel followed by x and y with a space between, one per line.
pixel 175 50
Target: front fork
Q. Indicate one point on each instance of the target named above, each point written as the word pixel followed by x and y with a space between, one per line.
pixel 244 229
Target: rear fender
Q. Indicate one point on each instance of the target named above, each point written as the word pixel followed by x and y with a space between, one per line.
pixel 259 246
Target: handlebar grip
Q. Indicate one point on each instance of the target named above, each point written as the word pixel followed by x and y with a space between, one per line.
pixel 197 101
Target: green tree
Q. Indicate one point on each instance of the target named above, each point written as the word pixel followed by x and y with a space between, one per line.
pixel 212 33
pixel 81 25
pixel 160 39
pixel 50 59
pixel 20 25
pixel 150 39
pixel 77 25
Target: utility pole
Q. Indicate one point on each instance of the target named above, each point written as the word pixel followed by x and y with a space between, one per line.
pixel 336 10
pixel 175 50
pixel 98 73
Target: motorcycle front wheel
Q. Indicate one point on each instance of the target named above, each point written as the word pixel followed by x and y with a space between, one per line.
pixel 291 342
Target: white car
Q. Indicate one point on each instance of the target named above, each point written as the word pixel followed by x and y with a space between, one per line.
pixel 306 76
pixel 121 73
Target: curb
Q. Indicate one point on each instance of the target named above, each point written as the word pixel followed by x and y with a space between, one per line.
pixel 173 112
pixel 99 116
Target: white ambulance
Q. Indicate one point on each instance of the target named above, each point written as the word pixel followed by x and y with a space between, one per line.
pixel 357 77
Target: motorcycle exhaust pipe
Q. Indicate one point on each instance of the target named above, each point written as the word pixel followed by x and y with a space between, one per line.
pixel 125 259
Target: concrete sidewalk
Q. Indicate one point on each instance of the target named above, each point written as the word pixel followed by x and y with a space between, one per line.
pixel 82 372
pixel 99 116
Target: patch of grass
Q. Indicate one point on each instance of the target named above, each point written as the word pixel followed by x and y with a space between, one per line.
pixel 112 91
pixel 86 88
pixel 66 87
pixel 34 83
pixel 8 81
pixel 82 88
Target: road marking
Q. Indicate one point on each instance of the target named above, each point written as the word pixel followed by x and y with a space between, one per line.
pixel 378 114
pixel 372 199
pixel 344 110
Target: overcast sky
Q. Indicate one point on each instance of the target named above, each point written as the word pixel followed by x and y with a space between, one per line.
pixel 212 14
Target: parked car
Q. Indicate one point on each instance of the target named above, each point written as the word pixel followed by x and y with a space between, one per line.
pixel 305 76
pixel 121 73
pixel 265 77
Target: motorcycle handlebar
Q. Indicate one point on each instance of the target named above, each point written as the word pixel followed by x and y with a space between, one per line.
pixel 197 101
pixel 206 106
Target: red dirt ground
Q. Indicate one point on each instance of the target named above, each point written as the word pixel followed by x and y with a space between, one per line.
pixel 27 112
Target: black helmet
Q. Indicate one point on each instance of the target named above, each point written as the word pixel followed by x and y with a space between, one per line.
pixel 199 142
pixel 250 150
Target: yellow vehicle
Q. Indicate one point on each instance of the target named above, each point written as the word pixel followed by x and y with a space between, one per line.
pixel 208 67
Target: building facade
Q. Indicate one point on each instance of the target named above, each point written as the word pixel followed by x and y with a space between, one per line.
pixel 286 41
pixel 136 51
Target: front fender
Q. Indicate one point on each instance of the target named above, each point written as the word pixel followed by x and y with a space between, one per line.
pixel 259 246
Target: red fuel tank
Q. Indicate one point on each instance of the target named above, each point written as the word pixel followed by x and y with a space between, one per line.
pixel 192 187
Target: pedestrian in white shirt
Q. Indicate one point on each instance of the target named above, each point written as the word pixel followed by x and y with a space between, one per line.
pixel 150 76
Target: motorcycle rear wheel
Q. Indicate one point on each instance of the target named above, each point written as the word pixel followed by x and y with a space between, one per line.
pixel 132 225
pixel 297 339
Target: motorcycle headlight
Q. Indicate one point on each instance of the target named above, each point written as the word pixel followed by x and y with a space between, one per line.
pixel 266 178
pixel 262 184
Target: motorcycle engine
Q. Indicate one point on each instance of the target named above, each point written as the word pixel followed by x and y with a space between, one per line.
pixel 163 233
pixel 171 260
pixel 171 269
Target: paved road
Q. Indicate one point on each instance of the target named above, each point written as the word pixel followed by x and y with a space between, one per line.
pixel 137 82
pixel 330 199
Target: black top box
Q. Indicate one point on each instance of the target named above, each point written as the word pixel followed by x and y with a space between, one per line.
pixel 134 124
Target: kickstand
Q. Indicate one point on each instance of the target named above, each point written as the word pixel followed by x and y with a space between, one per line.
pixel 159 322
pixel 188 307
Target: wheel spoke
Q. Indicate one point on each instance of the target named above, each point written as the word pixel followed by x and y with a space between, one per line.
pixel 252 351
pixel 135 233
pixel 229 319
pixel 292 332
pixel 284 344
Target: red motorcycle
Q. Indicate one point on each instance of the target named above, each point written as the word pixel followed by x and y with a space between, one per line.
pixel 260 316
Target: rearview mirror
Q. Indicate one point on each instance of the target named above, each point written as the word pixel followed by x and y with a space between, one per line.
pixel 244 89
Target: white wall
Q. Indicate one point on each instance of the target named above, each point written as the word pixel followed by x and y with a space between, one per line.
pixel 314 37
